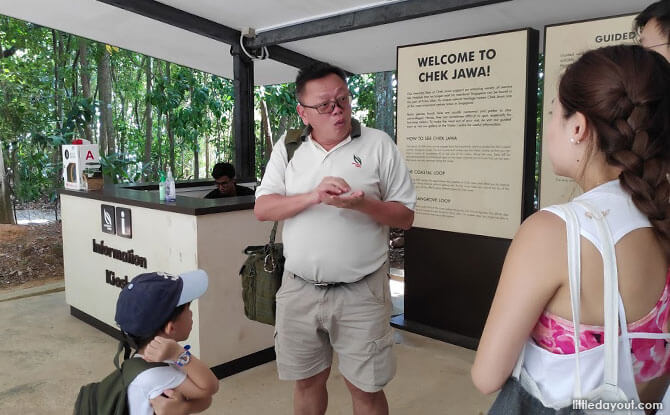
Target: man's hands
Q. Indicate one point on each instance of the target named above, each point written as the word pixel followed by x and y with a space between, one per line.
pixel 331 191
pixel 331 186
pixel 162 348
pixel 350 201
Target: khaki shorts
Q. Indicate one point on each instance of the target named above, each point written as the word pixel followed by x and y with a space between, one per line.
pixel 351 319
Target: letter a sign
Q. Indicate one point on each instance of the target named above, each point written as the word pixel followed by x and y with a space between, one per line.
pixel 89 155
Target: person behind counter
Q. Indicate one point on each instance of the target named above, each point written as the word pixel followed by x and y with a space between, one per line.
pixel 224 176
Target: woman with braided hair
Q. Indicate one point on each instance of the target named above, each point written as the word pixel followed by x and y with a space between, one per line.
pixel 610 132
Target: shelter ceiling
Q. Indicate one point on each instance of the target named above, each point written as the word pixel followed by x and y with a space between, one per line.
pixel 365 50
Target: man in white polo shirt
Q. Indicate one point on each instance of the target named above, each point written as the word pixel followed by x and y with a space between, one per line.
pixel 343 188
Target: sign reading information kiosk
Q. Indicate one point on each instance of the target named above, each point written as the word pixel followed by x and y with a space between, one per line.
pixel 564 43
pixel 462 121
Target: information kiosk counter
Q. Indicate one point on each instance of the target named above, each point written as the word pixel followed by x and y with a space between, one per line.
pixel 114 234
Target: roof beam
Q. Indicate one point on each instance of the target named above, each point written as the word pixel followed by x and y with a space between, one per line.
pixel 374 16
pixel 178 18
pixel 204 27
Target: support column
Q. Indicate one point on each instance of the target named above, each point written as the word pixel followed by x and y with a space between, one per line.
pixel 243 116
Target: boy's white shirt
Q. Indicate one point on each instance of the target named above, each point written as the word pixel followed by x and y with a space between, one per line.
pixel 150 384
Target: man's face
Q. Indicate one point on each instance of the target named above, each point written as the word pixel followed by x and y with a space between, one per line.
pixel 330 126
pixel 226 185
pixel 652 38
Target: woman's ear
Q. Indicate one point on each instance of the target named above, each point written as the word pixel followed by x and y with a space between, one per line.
pixel 579 127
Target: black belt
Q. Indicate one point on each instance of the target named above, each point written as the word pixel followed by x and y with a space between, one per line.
pixel 322 284
pixel 330 284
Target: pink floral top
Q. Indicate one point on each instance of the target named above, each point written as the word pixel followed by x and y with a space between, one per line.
pixel 651 357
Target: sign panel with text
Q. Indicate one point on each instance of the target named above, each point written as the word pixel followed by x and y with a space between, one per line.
pixel 564 43
pixel 463 121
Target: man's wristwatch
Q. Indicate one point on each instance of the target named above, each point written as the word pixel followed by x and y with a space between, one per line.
pixel 183 358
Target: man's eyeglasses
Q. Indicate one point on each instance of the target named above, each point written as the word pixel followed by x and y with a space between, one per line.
pixel 343 102
pixel 639 43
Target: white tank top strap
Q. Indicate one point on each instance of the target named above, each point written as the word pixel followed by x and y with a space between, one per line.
pixel 616 205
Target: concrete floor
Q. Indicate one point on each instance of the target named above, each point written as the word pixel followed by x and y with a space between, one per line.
pixel 48 354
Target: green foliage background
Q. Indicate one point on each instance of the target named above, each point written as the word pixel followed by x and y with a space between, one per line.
pixel 43 105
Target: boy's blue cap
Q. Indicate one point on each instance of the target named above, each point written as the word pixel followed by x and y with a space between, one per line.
pixel 147 302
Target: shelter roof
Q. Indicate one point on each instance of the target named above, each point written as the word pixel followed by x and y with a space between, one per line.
pixel 362 50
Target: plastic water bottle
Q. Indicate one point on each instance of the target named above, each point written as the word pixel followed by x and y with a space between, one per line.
pixel 170 193
pixel 161 187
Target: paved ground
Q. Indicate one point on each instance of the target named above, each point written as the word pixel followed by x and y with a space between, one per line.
pixel 48 354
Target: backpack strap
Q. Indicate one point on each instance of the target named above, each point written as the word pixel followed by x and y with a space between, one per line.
pixel 295 137
pixel 125 347
pixel 134 366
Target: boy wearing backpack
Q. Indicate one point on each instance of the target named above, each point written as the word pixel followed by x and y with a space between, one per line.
pixel 153 312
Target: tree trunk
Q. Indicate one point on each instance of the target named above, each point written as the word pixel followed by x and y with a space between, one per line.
pixel 57 56
pixel 6 212
pixel 160 165
pixel 266 134
pixel 148 132
pixel 283 123
pixel 206 155
pixel 58 101
pixel 14 166
pixel 196 161
pixel 196 151
pixel 122 136
pixel 159 127
pixel 385 106
pixel 181 167
pixel 230 146
pixel 170 134
pixel 105 90
pixel 85 79
pixel 168 126
pixel 217 142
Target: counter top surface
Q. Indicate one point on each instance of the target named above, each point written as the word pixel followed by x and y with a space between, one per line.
pixel 146 195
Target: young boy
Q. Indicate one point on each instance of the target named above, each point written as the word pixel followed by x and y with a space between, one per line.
pixel 153 312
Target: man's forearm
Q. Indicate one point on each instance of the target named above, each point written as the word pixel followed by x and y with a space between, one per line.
pixel 277 207
pixel 393 214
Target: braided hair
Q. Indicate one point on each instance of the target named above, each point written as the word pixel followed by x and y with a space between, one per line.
pixel 624 93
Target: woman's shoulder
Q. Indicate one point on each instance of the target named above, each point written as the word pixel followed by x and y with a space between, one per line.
pixel 542 223
pixel 541 238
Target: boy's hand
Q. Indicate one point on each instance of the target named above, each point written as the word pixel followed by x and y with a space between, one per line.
pixel 170 403
pixel 162 348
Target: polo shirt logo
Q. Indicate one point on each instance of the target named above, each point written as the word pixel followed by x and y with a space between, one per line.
pixel 357 161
